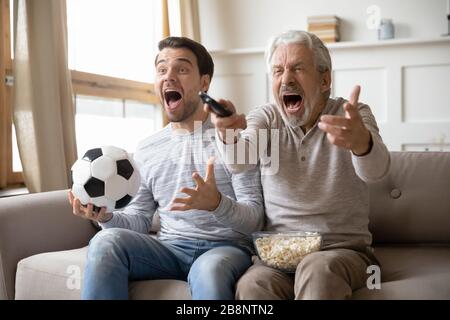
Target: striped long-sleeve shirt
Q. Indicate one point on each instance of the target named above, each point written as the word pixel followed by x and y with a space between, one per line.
pixel 166 161
pixel 308 183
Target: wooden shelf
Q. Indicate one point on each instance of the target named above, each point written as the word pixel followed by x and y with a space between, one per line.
pixel 345 45
pixel 387 43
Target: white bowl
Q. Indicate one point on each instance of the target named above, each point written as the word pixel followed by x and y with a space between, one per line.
pixel 285 250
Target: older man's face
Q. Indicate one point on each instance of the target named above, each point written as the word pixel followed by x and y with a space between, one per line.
pixel 297 85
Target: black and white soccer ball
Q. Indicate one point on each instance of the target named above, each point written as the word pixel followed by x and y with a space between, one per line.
pixel 106 177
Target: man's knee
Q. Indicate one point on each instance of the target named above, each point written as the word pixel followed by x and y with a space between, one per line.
pixel 220 263
pixel 317 266
pixel 319 261
pixel 328 262
pixel 329 274
pixel 108 241
pixel 246 285
pixel 264 283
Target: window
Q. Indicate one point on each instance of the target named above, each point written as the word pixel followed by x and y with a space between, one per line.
pixel 112 45
pixel 122 123
pixel 116 38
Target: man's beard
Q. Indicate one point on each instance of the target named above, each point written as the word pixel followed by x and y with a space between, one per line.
pixel 308 107
pixel 296 121
pixel 188 110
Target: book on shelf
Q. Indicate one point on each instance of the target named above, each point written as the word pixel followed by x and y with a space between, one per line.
pixel 326 27
pixel 324 32
pixel 323 19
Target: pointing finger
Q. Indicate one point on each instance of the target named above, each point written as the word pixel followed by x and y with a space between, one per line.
pixel 351 107
pixel 354 96
pixel 198 180
pixel 351 111
pixel 210 170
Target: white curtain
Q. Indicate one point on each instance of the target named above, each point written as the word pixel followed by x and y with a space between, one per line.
pixel 189 20
pixel 184 19
pixel 43 109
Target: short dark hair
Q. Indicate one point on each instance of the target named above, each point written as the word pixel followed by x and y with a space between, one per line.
pixel 204 59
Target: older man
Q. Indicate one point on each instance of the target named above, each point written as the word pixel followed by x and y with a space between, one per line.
pixel 329 149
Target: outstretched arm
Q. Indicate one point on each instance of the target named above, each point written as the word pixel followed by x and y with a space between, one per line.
pixel 358 132
pixel 136 216
pixel 241 140
pixel 245 214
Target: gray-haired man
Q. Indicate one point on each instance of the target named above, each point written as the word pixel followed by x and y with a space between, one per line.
pixel 329 149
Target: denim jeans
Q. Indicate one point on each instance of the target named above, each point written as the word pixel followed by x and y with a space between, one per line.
pixel 117 256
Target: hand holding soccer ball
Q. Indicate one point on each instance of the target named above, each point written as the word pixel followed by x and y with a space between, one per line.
pixel 88 212
pixel 105 178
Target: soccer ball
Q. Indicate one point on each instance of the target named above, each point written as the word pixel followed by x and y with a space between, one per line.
pixel 106 177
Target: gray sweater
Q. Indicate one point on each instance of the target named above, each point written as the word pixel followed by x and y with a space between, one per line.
pixel 310 184
pixel 167 160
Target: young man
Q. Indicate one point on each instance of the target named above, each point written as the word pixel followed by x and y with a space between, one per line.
pixel 204 237
pixel 329 149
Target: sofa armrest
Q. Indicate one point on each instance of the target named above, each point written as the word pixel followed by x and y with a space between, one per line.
pixel 36 223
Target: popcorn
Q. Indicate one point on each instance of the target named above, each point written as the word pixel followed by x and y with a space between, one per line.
pixel 285 251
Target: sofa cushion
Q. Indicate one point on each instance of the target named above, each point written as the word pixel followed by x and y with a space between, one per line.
pixel 412 203
pixel 52 275
pixel 406 273
pixel 59 276
pixel 411 273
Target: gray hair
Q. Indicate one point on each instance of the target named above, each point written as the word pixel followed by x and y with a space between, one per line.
pixel 322 57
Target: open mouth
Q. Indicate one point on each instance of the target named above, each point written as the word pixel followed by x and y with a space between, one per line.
pixel 292 102
pixel 172 99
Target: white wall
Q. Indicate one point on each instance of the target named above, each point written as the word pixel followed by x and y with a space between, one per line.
pixel 228 24
pixel 405 81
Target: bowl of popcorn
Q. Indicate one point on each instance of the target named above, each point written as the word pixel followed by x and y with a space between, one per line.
pixel 285 250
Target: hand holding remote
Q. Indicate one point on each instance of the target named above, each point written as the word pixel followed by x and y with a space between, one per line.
pixel 233 123
pixel 216 107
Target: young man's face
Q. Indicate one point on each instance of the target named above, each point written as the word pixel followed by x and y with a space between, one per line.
pixel 297 85
pixel 178 82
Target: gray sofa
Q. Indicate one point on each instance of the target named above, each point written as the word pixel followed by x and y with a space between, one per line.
pixel 43 246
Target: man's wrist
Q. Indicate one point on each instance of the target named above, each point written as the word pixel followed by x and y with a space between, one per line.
pixel 219 197
pixel 108 217
pixel 368 149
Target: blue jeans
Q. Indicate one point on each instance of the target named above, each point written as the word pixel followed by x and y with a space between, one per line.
pixel 117 256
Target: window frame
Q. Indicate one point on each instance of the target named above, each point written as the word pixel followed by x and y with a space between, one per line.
pixel 7 175
pixel 91 84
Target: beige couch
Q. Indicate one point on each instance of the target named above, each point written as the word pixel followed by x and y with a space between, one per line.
pixel 410 222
